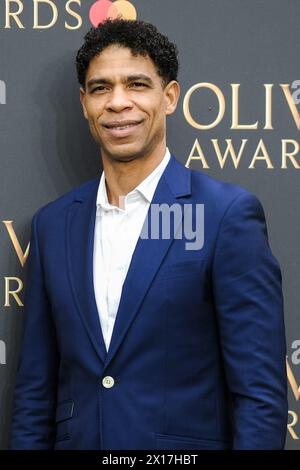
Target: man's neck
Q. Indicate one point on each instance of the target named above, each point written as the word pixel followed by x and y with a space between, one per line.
pixel 123 177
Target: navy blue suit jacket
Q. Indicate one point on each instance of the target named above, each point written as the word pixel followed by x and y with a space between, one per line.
pixel 198 348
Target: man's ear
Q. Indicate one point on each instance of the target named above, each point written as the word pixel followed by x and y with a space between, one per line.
pixel 82 100
pixel 172 93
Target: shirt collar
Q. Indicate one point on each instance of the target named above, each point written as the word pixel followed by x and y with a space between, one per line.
pixel 146 188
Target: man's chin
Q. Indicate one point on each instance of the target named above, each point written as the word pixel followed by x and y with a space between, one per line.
pixel 125 156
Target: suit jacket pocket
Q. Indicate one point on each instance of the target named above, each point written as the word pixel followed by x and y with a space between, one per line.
pixel 172 441
pixel 64 412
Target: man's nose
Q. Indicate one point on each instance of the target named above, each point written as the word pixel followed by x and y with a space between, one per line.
pixel 118 99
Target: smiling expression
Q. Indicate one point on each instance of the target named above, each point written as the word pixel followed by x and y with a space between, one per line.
pixel 126 104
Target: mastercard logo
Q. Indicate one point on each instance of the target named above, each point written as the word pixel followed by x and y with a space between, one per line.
pixel 104 9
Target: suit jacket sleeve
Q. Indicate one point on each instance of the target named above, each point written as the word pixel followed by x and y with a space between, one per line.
pixel 249 304
pixel 35 391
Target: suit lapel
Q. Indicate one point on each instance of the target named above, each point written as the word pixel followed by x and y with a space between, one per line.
pixel 80 244
pixel 148 255
pixel 146 260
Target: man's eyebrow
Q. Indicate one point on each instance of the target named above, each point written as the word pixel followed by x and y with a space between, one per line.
pixel 97 81
pixel 129 78
pixel 140 76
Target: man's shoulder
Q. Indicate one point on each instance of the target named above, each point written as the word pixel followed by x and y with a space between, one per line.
pixel 210 188
pixel 61 203
pixel 217 194
pixel 215 185
pixel 224 200
pixel 206 185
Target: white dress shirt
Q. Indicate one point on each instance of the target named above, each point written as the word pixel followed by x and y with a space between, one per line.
pixel 116 233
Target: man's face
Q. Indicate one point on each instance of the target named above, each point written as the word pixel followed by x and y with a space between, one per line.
pixel 126 104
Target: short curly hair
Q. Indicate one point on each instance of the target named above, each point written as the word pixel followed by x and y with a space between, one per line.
pixel 140 37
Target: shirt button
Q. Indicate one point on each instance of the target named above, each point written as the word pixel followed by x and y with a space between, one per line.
pixel 108 382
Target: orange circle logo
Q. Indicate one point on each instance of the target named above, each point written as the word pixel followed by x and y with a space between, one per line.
pixel 104 9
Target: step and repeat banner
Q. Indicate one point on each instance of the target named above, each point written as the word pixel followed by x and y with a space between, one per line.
pixel 237 120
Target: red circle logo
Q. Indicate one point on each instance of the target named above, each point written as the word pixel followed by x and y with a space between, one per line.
pixel 104 9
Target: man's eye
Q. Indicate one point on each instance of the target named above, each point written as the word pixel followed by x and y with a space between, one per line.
pixel 138 84
pixel 99 88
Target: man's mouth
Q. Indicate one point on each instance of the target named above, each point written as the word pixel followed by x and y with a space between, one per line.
pixel 121 124
pixel 121 128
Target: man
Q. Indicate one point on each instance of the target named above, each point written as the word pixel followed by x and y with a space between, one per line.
pixel 146 342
